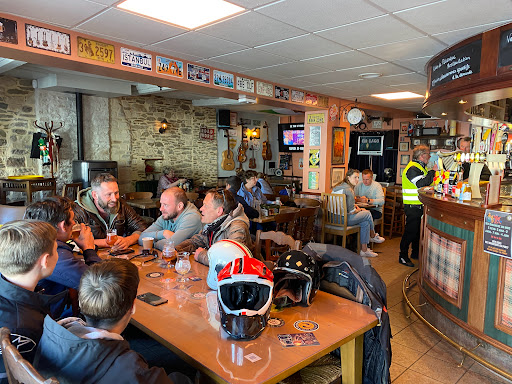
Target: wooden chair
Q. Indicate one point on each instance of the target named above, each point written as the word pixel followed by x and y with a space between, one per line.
pixel 71 190
pixel 192 196
pixel 18 369
pixel 286 222
pixel 10 213
pixel 138 195
pixel 393 213
pixel 381 220
pixel 304 202
pixel 280 238
pixel 304 224
pixel 334 219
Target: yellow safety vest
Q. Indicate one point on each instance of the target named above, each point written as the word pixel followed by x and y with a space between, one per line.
pixel 409 190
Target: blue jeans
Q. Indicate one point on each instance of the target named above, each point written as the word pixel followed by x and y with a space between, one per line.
pixel 365 221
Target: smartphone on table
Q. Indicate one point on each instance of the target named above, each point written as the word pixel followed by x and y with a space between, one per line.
pixel 152 299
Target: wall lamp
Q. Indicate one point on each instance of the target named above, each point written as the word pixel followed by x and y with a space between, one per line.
pixel 253 133
pixel 163 127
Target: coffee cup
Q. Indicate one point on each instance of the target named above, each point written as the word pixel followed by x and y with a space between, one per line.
pixel 147 243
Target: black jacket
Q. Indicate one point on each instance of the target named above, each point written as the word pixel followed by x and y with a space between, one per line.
pixel 249 211
pixel 73 359
pixel 23 312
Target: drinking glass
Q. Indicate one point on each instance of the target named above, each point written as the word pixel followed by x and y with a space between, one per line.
pixel 168 253
pixel 183 266
pixel 111 237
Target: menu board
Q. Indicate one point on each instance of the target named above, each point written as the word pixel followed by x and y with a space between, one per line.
pixel 497 232
pixel 456 64
pixel 505 55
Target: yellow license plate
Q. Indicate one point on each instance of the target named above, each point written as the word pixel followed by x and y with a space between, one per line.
pixel 95 50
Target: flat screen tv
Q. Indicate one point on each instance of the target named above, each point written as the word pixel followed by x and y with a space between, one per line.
pixel 291 137
pixel 370 145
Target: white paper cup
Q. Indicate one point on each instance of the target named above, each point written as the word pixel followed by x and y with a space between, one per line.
pixel 147 243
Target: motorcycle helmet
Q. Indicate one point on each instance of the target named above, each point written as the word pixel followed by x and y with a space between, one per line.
pixel 245 296
pixel 296 279
pixel 221 253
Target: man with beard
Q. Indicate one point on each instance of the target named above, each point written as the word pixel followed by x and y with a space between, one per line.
pixel 180 219
pixel 100 207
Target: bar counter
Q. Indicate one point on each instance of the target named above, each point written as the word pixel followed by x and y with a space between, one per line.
pixel 470 291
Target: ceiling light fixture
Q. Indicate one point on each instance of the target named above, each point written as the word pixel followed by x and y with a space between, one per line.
pixel 370 75
pixel 396 95
pixel 444 114
pixel 462 101
pixel 188 14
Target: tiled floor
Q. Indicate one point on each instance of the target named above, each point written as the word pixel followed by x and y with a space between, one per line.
pixel 419 354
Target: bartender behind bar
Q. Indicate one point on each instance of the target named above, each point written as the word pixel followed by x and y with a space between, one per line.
pixel 464 145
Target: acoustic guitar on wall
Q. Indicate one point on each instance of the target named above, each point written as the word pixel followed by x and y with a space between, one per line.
pixel 266 151
pixel 227 164
pixel 252 160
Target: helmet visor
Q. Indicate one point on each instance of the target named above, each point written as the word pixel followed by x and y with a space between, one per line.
pixel 245 297
pixel 243 327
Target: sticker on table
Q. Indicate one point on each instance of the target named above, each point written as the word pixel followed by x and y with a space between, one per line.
pixel 275 322
pixel 198 295
pixel 154 275
pixel 252 357
pixel 306 325
pixel 181 287
pixel 168 280
pixel 194 278
pixel 297 339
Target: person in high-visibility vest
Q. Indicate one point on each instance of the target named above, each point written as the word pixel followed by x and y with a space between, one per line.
pixel 415 176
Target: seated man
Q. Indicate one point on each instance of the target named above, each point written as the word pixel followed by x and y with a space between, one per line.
pixel 94 351
pixel 100 207
pixel 58 211
pixel 180 219
pixel 224 219
pixel 28 253
pixel 370 192
pixel 233 184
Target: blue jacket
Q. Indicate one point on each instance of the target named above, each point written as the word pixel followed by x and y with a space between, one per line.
pixel 23 312
pixel 250 212
pixel 186 225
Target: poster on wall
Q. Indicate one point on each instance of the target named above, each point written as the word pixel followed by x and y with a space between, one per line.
pixel 297 96
pixel 95 50
pixel 314 135
pixel 169 67
pixel 337 176
pixel 338 146
pixel 198 73
pixel 313 179
pixel 314 158
pixel 264 89
pixel 223 79
pixel 47 39
pixel 316 118
pixel 244 84
pixel 136 59
pixel 282 93
pixel 311 99
pixel 8 31
pixel 323 101
pixel 284 161
pixel 333 112
pixel 206 133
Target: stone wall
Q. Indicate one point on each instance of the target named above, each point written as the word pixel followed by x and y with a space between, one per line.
pixel 134 135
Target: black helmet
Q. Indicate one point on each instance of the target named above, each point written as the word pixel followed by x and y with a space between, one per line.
pixel 296 279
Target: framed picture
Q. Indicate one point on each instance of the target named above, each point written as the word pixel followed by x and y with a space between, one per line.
pixel 404 125
pixel 404 146
pixel 402 171
pixel 337 175
pixel 338 146
pixel 404 159
pixel 416 142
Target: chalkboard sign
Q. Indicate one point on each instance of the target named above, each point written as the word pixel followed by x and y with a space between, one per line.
pixel 370 145
pixel 505 57
pixel 459 63
pixel 497 232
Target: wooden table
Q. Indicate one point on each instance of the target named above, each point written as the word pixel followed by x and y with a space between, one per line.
pixel 28 186
pixel 145 204
pixel 190 327
pixel 269 219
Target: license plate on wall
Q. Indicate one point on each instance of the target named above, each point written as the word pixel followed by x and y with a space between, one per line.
pixel 95 50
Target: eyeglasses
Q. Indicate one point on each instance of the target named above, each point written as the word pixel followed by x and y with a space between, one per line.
pixel 221 191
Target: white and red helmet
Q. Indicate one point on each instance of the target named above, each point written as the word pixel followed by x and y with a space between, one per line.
pixel 245 296
pixel 221 253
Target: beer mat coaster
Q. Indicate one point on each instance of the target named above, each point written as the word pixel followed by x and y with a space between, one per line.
pixel 306 325
pixel 195 278
pixel 252 357
pixel 275 322
pixel 297 339
pixel 181 287
pixel 168 280
pixel 198 295
pixel 154 275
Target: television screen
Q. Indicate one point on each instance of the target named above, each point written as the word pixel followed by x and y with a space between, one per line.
pixel 291 137
pixel 370 145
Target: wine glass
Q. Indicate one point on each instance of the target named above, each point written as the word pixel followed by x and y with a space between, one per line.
pixel 183 266
pixel 111 237
pixel 168 253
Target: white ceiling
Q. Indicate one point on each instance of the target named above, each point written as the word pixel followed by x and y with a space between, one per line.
pixel 321 45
